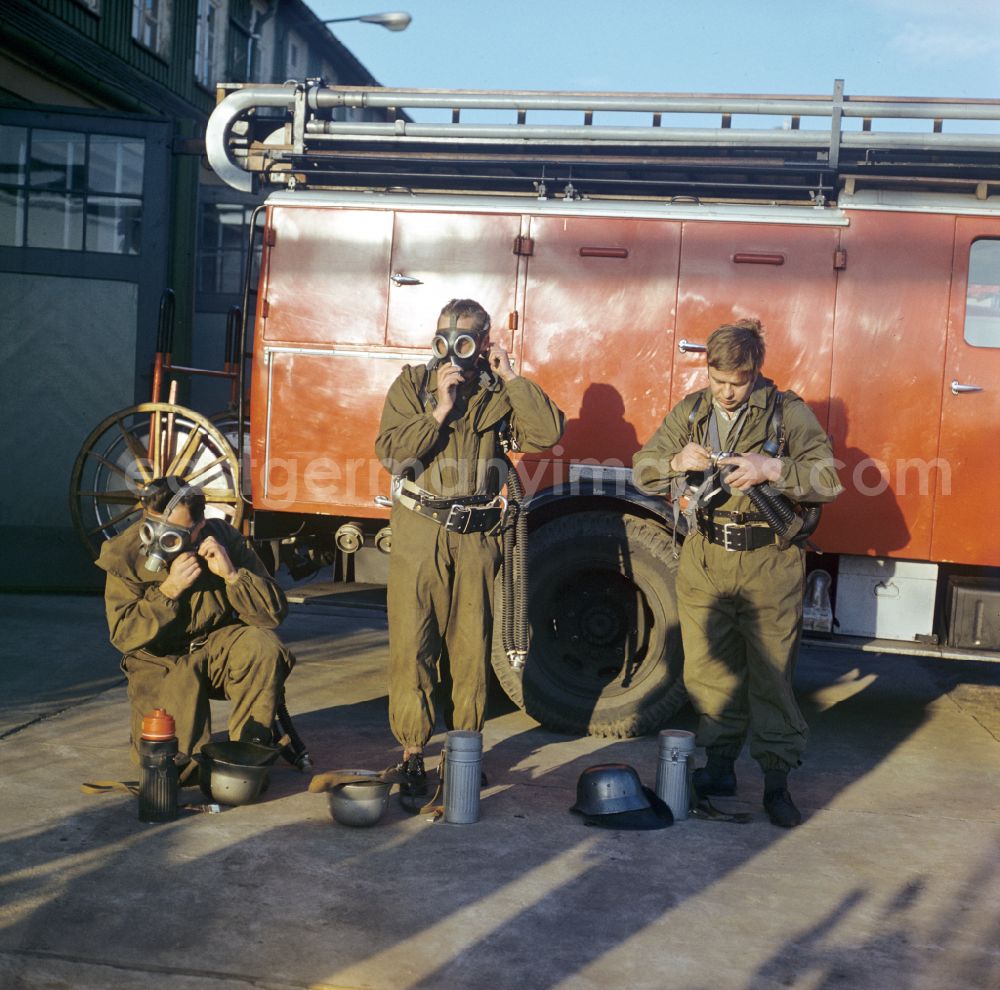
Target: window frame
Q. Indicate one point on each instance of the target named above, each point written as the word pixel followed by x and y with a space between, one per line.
pixel 987 334
pixel 161 20
pixel 76 195
pixel 209 41
pixel 216 298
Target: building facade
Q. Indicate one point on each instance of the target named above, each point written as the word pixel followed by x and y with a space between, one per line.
pixel 105 202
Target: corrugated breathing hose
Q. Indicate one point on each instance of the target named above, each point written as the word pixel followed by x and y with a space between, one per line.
pixel 780 514
pixel 515 574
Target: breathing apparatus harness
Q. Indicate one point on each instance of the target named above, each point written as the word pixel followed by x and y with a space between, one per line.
pixel 774 508
pixel 457 514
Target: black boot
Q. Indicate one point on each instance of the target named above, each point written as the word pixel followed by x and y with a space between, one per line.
pixel 414 782
pixel 716 778
pixel 778 802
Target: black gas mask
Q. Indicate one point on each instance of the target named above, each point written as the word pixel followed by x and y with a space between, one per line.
pixel 162 540
pixel 457 346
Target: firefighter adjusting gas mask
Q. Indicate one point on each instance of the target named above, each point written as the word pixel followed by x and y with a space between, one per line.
pixel 457 346
pixel 163 540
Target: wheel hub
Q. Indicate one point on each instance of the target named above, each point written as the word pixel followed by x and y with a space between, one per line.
pixel 597 620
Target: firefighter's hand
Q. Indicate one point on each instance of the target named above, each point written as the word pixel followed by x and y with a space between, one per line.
pixel 499 361
pixel 214 554
pixel 750 469
pixel 448 379
pixel 185 569
pixel 693 457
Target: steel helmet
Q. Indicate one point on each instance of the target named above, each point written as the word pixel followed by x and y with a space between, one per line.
pixel 612 796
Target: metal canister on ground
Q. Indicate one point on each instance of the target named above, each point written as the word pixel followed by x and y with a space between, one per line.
pixel 673 771
pixel 462 772
pixel 158 781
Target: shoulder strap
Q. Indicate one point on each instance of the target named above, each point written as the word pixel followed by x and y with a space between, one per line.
pixel 505 437
pixel 693 415
pixel 774 446
pixel 423 395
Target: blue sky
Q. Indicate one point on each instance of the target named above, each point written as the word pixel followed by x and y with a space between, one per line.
pixel 944 48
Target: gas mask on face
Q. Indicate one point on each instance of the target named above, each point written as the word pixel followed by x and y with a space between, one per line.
pixel 456 346
pixel 162 540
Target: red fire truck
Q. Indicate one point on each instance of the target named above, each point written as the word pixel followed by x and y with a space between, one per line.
pixel 608 234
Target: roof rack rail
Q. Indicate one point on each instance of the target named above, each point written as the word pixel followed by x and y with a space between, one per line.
pixel 311 134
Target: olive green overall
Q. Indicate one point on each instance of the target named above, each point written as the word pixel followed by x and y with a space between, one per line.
pixel 214 642
pixel 440 594
pixel 741 611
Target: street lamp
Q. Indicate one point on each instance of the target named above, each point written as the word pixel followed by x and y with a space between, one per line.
pixel 396 20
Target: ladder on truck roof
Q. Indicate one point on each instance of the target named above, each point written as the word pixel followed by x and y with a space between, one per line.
pixel 311 134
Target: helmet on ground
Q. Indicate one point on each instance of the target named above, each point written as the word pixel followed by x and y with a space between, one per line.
pixel 610 795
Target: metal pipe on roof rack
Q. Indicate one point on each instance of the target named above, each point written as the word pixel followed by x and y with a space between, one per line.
pixel 527 134
pixel 366 177
pixel 524 133
pixel 326 97
pixel 927 111
pixel 225 116
pixel 920 140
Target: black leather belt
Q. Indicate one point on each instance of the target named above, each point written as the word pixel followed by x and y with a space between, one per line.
pixel 430 502
pixel 733 536
pixel 730 516
pixel 463 518
pixel 465 514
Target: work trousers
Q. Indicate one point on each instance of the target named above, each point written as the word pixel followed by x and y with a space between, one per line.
pixel 440 599
pixel 741 617
pixel 244 664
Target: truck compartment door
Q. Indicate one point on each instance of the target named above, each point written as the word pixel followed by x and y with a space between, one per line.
pixel 781 274
pixel 321 368
pixel 599 308
pixel 442 256
pixel 968 467
pixel 889 338
pixel 325 279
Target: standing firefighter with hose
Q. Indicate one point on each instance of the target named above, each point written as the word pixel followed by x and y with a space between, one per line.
pixel 741 576
pixel 441 437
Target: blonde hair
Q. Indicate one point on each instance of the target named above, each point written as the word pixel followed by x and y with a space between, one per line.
pixel 736 346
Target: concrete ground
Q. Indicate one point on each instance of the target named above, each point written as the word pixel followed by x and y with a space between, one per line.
pixel 892 881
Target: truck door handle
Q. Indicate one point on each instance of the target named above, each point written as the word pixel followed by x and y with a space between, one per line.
pixel 686 345
pixel 957 388
pixel 400 279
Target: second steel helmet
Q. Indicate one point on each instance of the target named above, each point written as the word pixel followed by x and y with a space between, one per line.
pixel 611 795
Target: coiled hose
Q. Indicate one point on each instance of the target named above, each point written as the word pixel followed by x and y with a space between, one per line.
pixel 780 515
pixel 514 577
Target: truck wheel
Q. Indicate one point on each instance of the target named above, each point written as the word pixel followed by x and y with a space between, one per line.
pixel 605 656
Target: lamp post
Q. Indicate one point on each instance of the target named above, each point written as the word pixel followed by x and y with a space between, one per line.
pixel 396 20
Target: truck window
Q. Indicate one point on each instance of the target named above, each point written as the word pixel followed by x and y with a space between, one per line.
pixel 982 300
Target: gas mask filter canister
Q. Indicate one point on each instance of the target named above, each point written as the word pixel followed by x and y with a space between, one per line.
pixel 161 540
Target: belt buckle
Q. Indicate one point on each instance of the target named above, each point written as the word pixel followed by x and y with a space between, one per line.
pixel 458 519
pixel 499 502
pixel 728 539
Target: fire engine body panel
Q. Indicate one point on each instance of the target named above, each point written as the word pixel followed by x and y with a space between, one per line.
pixel 595 314
pixel 879 293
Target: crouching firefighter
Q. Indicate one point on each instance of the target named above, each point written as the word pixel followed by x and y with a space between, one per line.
pixel 440 438
pixel 740 580
pixel 193 610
